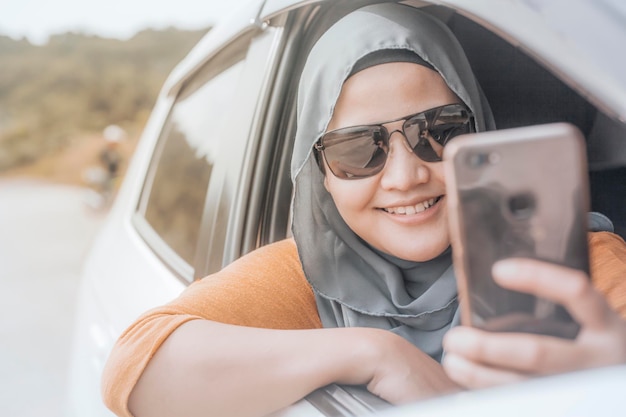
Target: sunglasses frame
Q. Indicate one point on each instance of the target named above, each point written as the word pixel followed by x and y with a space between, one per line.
pixel 430 115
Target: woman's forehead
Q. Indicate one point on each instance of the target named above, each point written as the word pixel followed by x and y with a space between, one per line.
pixel 389 91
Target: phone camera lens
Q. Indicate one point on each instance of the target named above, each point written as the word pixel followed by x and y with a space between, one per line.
pixel 522 206
pixel 478 159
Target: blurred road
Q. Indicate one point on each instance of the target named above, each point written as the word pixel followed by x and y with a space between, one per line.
pixel 45 232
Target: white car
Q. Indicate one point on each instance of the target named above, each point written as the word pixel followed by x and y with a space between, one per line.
pixel 210 178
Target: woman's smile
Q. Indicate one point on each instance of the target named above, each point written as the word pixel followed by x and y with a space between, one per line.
pixel 414 214
pixel 412 208
pixel 417 214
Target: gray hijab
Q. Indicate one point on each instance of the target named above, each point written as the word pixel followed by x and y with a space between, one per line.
pixel 356 285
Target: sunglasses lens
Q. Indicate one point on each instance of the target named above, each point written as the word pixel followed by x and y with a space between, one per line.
pixel 357 152
pixel 429 132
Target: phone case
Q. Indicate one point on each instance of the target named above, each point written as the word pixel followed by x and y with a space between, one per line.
pixel 519 192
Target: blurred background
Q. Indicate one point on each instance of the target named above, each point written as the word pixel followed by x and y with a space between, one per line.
pixel 78 79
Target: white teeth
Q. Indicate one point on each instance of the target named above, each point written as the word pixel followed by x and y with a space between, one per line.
pixel 418 208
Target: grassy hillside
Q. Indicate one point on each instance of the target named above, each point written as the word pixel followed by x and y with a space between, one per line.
pixel 58 97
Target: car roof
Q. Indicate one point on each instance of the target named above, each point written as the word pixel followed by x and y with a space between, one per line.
pixel 230 27
pixel 574 40
pixel 562 36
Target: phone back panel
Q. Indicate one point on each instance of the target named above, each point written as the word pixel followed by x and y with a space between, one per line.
pixel 516 193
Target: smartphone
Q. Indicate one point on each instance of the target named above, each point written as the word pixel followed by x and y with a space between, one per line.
pixel 520 192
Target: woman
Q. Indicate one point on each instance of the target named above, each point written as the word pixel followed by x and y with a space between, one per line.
pixel 366 292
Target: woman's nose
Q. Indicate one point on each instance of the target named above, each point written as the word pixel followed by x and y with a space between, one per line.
pixel 403 169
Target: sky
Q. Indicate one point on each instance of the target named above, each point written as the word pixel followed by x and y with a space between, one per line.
pixel 38 19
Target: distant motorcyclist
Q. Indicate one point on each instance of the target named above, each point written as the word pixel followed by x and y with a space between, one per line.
pixel 110 157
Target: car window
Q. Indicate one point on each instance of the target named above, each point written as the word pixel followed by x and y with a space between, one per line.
pixel 229 214
pixel 192 178
pixel 173 197
pixel 188 153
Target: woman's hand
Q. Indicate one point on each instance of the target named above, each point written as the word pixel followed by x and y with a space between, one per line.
pixel 477 359
pixel 395 370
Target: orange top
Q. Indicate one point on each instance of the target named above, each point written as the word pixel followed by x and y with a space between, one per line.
pixel 607 255
pixel 267 289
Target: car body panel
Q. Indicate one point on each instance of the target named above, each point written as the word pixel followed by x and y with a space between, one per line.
pixel 121 279
pixel 584 393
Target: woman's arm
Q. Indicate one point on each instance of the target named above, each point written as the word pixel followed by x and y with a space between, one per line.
pixel 265 289
pixel 247 341
pixel 211 369
pixel 478 358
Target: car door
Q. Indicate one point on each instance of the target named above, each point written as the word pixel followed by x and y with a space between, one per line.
pixel 170 220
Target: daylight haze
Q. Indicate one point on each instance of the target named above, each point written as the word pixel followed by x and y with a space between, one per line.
pixel 38 19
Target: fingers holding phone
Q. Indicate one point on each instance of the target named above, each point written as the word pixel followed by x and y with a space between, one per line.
pixel 476 358
pixel 518 203
pixel 568 287
pixel 602 337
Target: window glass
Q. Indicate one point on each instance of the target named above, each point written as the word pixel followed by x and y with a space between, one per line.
pixel 173 201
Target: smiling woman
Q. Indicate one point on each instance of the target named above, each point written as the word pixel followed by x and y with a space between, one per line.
pixel 283 288
pixel 365 292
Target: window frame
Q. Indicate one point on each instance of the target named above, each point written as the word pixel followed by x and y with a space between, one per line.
pixel 229 221
pixel 266 196
pixel 183 270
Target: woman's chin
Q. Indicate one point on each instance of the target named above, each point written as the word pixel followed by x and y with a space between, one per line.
pixel 418 251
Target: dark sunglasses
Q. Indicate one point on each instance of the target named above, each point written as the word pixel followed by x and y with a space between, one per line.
pixel 361 151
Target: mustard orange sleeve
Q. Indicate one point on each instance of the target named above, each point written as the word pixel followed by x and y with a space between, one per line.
pixel 265 288
pixel 607 252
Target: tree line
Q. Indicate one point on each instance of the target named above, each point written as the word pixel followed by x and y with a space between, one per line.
pixel 52 95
